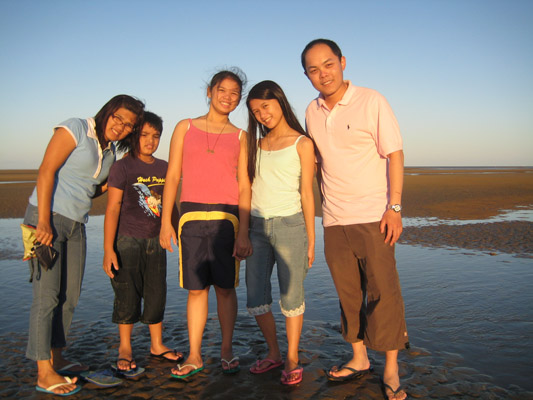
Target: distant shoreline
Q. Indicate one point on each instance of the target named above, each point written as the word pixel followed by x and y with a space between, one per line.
pixel 14 174
pixel 440 192
pixel 453 194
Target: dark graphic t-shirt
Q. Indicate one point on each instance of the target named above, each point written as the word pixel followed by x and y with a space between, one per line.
pixel 142 185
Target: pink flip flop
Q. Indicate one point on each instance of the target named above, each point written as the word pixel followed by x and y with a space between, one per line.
pixel 273 364
pixel 296 371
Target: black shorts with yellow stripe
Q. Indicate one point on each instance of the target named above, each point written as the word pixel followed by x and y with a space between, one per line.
pixel 206 235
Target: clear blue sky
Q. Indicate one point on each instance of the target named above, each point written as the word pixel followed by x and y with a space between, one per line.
pixel 458 73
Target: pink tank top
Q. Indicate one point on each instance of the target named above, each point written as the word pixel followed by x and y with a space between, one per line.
pixel 210 176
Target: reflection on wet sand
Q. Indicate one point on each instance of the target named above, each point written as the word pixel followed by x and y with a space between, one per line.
pixel 467 282
pixel 465 315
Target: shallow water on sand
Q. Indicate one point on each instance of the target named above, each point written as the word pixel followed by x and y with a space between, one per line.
pixel 469 318
pixel 519 214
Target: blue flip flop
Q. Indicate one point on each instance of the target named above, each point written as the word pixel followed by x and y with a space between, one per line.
pixel 50 389
pixel 67 369
pixel 195 370
pixel 127 373
pixel 104 378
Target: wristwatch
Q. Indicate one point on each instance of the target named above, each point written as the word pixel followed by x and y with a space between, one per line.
pixel 395 207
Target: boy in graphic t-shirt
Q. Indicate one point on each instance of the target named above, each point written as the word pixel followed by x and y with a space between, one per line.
pixel 133 257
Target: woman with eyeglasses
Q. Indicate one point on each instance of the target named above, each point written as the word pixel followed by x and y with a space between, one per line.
pixel 74 170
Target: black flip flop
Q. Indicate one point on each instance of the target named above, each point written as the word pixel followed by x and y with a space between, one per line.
pixel 161 356
pixel 385 386
pixel 355 374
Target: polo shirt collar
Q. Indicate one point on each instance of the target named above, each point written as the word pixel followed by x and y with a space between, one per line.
pixel 345 98
pixel 91 132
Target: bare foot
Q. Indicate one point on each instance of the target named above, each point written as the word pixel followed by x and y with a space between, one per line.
pixel 265 365
pixel 125 361
pixel 229 361
pixel 165 352
pixel 391 380
pixel 290 365
pixel 339 372
pixel 45 380
pixel 192 363
pixel 230 364
pixel 292 377
pixel 393 389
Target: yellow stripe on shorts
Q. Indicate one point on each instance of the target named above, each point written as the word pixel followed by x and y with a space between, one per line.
pixel 208 216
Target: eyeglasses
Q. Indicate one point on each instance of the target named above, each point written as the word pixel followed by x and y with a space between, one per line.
pixel 118 120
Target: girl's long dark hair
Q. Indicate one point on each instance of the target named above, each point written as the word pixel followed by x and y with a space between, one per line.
pixel 129 103
pixel 266 90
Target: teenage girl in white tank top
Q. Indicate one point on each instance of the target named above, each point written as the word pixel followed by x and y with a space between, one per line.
pixel 282 230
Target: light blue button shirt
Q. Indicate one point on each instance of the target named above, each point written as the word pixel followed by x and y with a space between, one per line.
pixel 85 168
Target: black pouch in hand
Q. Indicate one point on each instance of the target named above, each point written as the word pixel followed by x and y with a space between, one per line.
pixel 46 255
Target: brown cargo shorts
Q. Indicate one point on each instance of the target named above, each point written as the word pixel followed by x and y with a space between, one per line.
pixel 363 268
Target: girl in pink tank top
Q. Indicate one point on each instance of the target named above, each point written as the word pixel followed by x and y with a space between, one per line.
pixel 209 155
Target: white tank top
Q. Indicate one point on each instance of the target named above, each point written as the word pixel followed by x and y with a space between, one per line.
pixel 275 190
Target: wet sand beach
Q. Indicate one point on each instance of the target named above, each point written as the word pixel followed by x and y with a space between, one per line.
pixel 469 193
pixel 444 194
pixel 467 280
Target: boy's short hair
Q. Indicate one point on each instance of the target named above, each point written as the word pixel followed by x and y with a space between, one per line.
pixel 154 120
pixel 330 43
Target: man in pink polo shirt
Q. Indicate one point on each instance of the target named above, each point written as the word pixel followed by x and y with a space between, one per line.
pixel 360 169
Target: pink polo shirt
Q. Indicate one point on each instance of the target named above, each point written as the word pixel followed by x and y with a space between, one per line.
pixel 353 141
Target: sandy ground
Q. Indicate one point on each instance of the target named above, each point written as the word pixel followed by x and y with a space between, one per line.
pixel 449 194
pixel 442 194
pixel 425 375
pixel 468 194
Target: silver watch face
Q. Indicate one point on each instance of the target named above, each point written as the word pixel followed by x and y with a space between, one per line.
pixel 396 208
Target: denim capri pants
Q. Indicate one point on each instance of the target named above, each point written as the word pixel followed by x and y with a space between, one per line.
pixel 280 240
pixel 55 291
